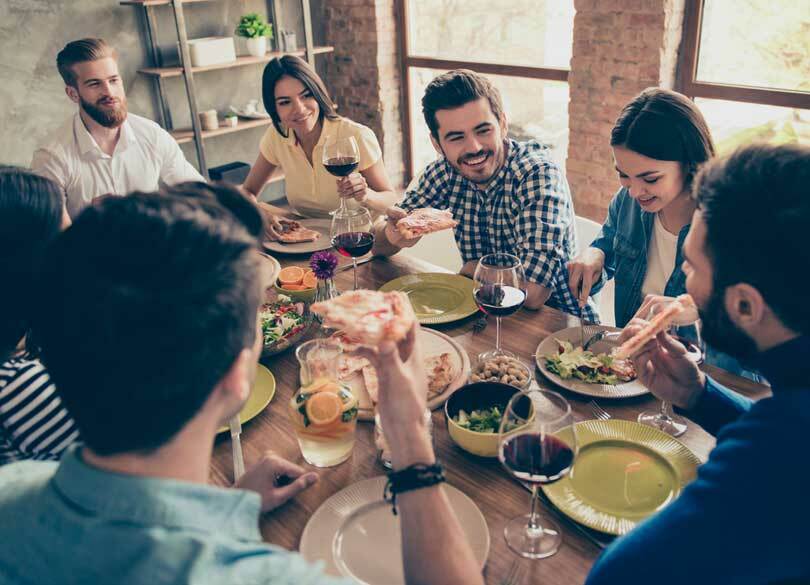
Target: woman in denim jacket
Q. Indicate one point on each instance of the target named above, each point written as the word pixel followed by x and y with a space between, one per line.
pixel 659 141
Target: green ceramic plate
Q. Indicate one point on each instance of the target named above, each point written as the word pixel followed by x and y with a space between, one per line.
pixel 436 297
pixel 264 388
pixel 623 473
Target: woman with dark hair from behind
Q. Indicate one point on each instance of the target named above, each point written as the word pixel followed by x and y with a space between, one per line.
pixel 33 422
pixel 304 120
pixel 659 142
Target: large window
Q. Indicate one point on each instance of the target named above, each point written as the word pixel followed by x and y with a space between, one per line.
pixel 523 46
pixel 747 64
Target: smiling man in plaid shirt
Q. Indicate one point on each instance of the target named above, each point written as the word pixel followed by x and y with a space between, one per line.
pixel 507 196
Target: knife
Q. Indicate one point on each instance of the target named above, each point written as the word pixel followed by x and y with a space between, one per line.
pixel 349 265
pixel 236 447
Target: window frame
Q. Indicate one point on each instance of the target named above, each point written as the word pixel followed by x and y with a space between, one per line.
pixel 689 85
pixel 410 61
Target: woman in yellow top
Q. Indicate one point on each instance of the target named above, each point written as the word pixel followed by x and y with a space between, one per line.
pixel 304 119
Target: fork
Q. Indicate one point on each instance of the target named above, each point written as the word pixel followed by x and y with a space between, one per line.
pixel 514 575
pixel 480 323
pixel 598 412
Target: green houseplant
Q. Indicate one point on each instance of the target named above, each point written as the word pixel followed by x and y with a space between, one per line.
pixel 256 30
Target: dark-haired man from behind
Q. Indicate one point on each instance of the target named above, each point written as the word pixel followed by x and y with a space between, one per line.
pixel 743 519
pixel 153 348
pixel 507 196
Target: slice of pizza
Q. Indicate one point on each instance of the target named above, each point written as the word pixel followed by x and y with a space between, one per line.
pixel 292 232
pixel 370 317
pixel 440 373
pixel 371 382
pixel 682 305
pixel 425 221
pixel 349 365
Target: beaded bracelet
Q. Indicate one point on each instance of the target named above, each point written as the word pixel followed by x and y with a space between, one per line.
pixel 413 477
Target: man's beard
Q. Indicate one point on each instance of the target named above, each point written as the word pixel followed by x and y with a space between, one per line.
pixel 720 332
pixel 105 115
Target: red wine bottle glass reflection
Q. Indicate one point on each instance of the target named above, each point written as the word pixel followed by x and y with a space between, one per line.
pixel 500 290
pixel 664 419
pixel 351 234
pixel 341 157
pixel 537 445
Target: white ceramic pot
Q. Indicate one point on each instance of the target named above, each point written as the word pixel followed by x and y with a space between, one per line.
pixel 257 46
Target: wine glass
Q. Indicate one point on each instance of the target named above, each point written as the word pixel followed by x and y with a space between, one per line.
pixel 341 157
pixel 351 234
pixel 537 445
pixel 500 290
pixel 664 419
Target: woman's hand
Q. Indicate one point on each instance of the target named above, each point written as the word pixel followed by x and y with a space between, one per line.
pixel 353 187
pixel 584 271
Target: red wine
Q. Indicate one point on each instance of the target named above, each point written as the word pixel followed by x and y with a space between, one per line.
pixel 693 351
pixel 499 300
pixel 341 166
pixel 536 458
pixel 353 244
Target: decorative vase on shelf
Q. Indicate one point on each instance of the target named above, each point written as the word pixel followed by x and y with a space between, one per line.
pixel 257 46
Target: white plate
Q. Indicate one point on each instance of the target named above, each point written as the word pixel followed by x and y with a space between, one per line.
pixel 549 346
pixel 272 267
pixel 321 226
pixel 433 343
pixel 257 115
pixel 355 534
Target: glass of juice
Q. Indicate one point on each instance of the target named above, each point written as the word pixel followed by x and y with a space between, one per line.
pixel 323 410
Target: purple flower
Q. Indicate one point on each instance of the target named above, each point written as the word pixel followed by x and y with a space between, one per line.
pixel 323 264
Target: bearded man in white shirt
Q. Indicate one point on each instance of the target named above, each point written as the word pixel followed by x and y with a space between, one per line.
pixel 104 149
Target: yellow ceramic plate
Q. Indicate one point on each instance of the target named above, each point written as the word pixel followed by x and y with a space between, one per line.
pixel 436 297
pixel 264 388
pixel 624 472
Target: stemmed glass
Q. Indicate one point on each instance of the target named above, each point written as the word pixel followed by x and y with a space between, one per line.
pixel 351 234
pixel 664 419
pixel 537 445
pixel 500 290
pixel 341 157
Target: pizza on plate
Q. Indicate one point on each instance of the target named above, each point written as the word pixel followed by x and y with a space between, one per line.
pixel 425 221
pixel 367 316
pixel 682 305
pixel 292 232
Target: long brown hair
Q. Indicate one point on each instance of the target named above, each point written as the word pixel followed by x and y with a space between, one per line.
pixel 299 69
pixel 665 125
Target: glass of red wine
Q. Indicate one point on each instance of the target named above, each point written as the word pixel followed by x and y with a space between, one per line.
pixel 500 290
pixel 537 445
pixel 351 234
pixel 664 419
pixel 341 157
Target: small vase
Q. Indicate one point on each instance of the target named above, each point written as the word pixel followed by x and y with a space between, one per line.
pixel 324 291
pixel 257 46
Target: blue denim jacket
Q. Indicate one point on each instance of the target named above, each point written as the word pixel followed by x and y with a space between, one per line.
pixel 624 239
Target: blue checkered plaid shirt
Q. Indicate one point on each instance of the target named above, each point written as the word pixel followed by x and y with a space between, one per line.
pixel 526 210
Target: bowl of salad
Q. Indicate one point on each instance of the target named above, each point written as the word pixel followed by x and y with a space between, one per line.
pixel 474 413
pixel 284 323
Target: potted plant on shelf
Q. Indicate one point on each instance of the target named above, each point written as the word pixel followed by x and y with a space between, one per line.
pixel 256 30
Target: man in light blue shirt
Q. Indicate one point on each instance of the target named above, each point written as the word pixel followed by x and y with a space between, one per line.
pixel 152 347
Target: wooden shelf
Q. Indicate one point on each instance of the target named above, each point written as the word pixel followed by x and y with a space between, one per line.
pixel 240 62
pixel 156 2
pixel 184 135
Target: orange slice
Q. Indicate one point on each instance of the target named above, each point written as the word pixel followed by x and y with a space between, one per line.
pixel 291 275
pixel 294 287
pixel 310 280
pixel 324 408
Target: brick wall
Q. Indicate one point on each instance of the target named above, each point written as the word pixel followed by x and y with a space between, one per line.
pixel 620 48
pixel 363 74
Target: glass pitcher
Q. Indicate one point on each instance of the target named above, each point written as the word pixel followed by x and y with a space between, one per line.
pixel 323 410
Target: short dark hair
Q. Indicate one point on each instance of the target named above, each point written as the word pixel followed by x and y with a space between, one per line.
pixel 665 125
pixel 299 69
pixel 31 209
pixel 227 196
pixel 151 299
pixel 79 52
pixel 454 89
pixel 757 211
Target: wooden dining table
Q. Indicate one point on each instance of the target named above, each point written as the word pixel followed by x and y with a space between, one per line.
pixel 496 493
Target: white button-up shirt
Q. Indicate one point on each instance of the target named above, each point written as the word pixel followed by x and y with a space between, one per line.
pixel 145 156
